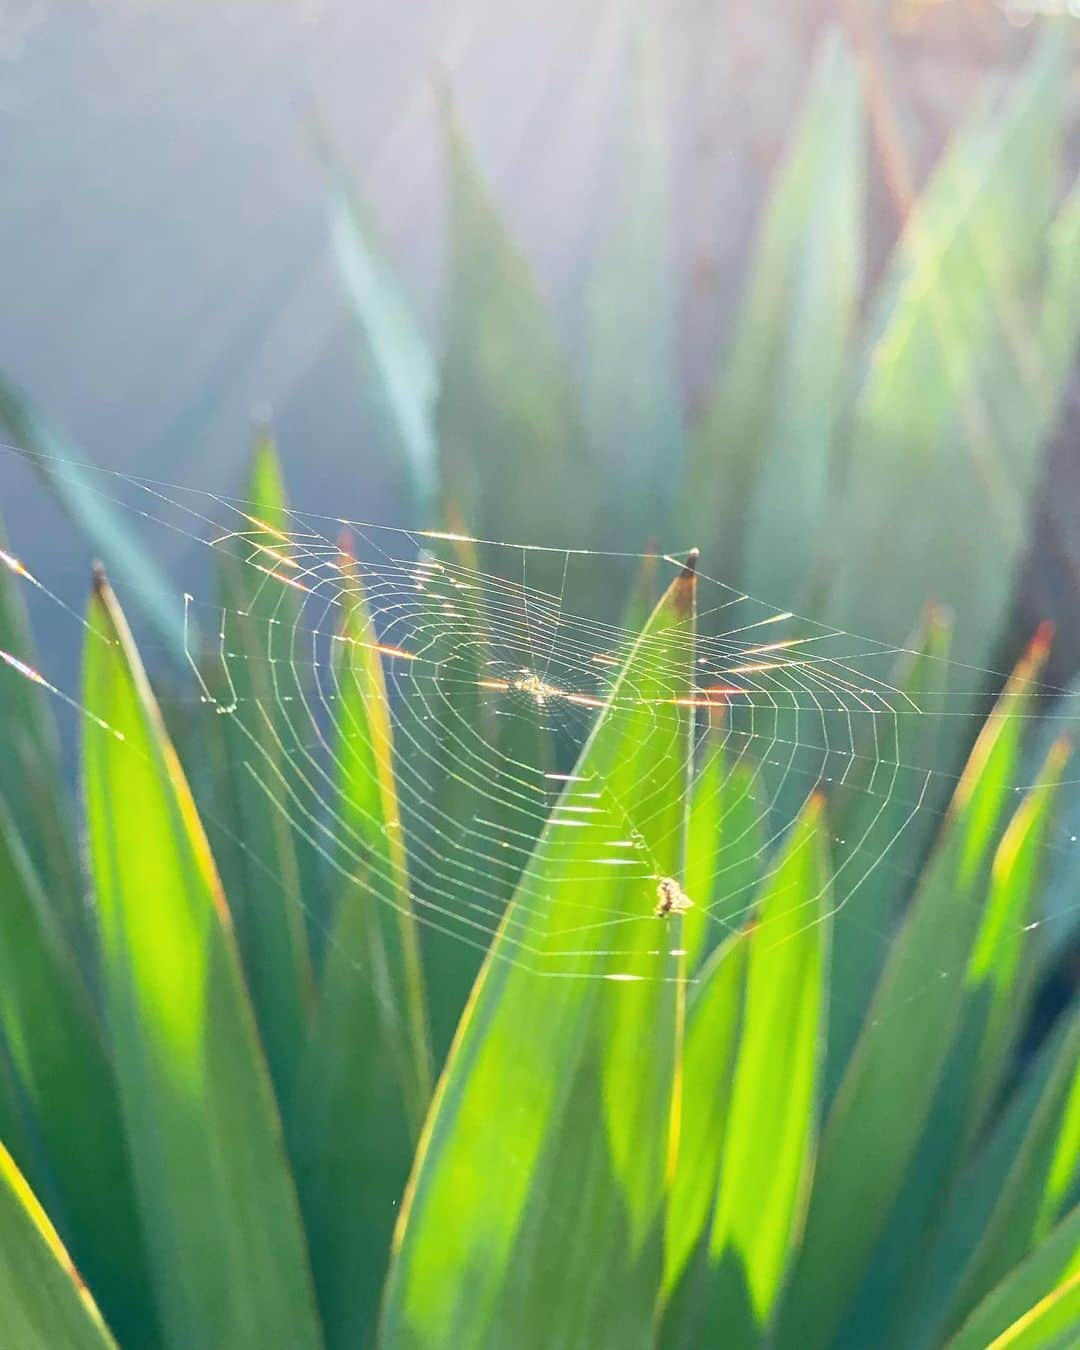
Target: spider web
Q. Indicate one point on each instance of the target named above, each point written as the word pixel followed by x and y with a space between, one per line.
pixel 497 661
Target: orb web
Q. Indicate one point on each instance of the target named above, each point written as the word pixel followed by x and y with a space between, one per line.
pixel 496 662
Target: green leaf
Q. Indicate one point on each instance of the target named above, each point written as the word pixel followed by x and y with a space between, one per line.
pixel 1051 1324
pixel 84 494
pixel 713 1022
pixel 30 779
pixel 762 1148
pixel 512 452
pixel 366 1077
pixel 1040 1183
pixel 221 1217
pixel 46 1305
pixel 1058 916
pixel 771 1128
pixel 1051 1272
pixel 995 1006
pixel 763 457
pixel 724 855
pixel 975 1192
pixel 58 1056
pixel 631 394
pixel 534 1214
pixel 950 419
pixel 393 342
pixel 884 808
pixel 998 975
pixel 887 1094
pixel 262 858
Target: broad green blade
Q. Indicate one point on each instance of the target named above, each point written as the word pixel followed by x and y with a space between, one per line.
pixel 535 1212
pixel 1050 1325
pixel 84 495
pixel 725 851
pixel 1000 972
pixel 221 1216
pixel 30 780
pixel 1010 1149
pixel 1048 1278
pixel 768 1148
pixel 764 454
pixel 366 1076
pixel 437 799
pixel 713 1022
pixel 393 343
pixel 631 398
pixel 1040 1183
pixel 758 1159
pixel 995 1008
pixel 960 389
pixel 878 812
pixel 58 1058
pixel 1059 918
pixel 45 1304
pixel 258 686
pixel 512 454
pixel 887 1094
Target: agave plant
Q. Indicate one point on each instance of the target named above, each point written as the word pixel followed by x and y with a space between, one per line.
pixel 279 1065
pixel 209 1118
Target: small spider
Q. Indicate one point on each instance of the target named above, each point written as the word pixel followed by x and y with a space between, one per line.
pixel 671 898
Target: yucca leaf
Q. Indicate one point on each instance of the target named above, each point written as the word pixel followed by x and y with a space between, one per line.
pixel 975 1192
pixel 45 1304
pixel 772 1125
pixel 221 1217
pixel 995 1004
pixel 534 1214
pixel 887 1093
pixel 631 398
pixel 763 457
pixel 1040 1183
pixel 998 976
pixel 85 497
pixel 366 1076
pixel 1047 1279
pixel 713 1021
pixel 1050 1325
pixel 261 856
pixel 946 443
pixel 1057 913
pixel 58 1056
pixel 510 439
pixel 392 340
pixel 437 800
pixel 883 809
pixel 724 854
pixel 30 780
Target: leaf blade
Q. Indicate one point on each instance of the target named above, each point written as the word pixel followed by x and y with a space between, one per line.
pixel 223 1225
pixel 593 1143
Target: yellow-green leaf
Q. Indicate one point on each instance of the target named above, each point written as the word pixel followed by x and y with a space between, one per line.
pixel 59 1059
pixel 534 1214
pixel 261 855
pixel 366 1075
pixel 44 1303
pixel 223 1227
pixel 887 1093
pixel 1046 1284
pixel 713 1020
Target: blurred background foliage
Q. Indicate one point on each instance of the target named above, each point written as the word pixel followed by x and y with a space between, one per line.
pixel 741 283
